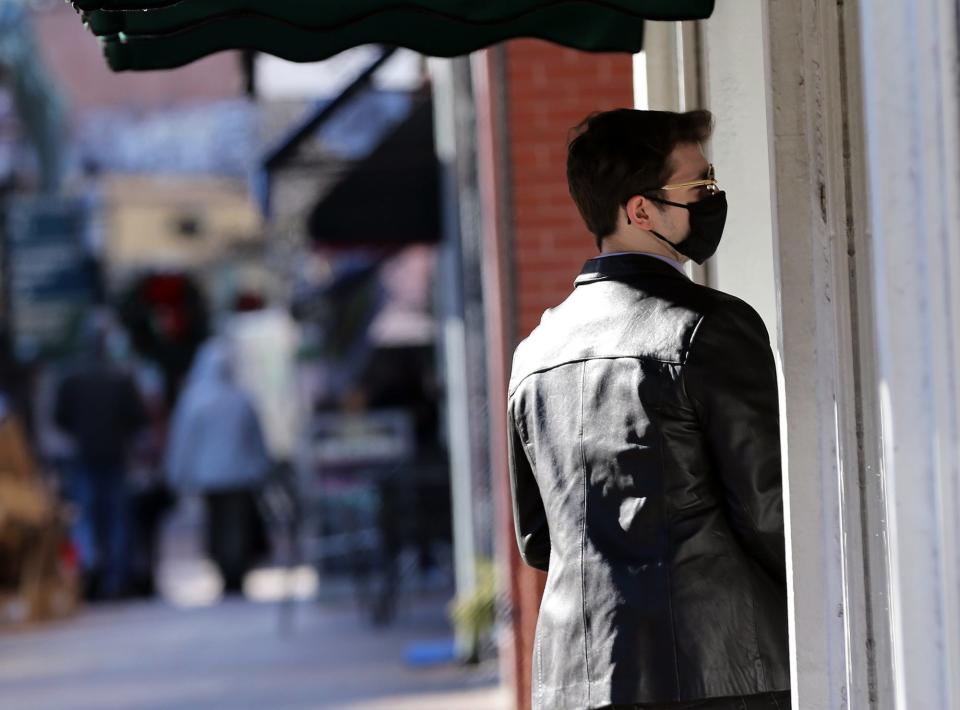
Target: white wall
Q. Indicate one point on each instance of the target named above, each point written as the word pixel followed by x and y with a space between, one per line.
pixel 912 108
pixel 735 89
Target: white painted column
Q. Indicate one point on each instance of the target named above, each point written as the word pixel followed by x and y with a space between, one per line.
pixel 833 493
pixel 736 90
pixel 454 335
pixel 778 243
pixel 911 98
pixel 788 150
pixel 783 80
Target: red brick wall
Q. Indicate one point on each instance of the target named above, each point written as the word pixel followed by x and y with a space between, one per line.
pixel 548 91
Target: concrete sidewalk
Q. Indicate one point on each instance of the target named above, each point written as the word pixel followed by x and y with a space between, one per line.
pixel 233 655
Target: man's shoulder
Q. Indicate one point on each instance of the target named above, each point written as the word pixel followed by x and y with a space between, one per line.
pixel 729 329
pixel 607 319
pixel 706 300
pixel 723 309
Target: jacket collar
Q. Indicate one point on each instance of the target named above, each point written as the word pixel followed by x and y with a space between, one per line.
pixel 618 266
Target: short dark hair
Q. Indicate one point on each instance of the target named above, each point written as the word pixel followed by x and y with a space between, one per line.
pixel 614 155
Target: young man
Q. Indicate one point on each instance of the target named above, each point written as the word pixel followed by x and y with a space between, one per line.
pixel 645 447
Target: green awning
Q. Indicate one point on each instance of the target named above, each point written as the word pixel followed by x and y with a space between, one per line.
pixel 162 34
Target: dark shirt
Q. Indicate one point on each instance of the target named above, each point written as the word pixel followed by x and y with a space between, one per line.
pixel 100 407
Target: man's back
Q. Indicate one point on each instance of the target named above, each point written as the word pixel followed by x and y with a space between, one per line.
pixel 99 406
pixel 646 477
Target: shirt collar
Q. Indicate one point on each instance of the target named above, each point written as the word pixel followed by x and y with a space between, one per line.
pixel 619 265
pixel 673 262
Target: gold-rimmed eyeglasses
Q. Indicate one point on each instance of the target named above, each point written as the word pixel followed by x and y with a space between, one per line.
pixel 710 183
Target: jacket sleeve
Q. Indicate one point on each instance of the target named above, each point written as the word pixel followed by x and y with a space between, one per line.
pixel 529 516
pixel 731 379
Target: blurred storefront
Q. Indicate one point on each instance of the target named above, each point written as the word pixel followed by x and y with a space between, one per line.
pixel 204 225
pixel 45 280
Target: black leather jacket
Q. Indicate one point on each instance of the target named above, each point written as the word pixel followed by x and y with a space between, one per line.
pixel 645 475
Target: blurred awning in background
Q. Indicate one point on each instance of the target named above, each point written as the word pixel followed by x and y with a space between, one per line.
pixel 404 214
pixel 163 34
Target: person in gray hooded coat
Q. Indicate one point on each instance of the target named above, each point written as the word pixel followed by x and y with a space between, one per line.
pixel 216 448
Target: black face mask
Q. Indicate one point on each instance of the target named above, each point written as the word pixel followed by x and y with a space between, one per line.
pixel 707 217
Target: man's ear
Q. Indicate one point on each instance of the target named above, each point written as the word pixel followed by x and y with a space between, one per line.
pixel 638 212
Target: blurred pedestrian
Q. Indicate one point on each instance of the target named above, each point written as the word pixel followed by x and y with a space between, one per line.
pixel 98 406
pixel 216 448
pixel 152 497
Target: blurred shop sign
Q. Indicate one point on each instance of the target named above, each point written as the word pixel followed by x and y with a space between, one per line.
pixel 52 274
pixel 368 438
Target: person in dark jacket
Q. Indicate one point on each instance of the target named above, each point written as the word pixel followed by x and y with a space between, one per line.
pixel 99 406
pixel 644 447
